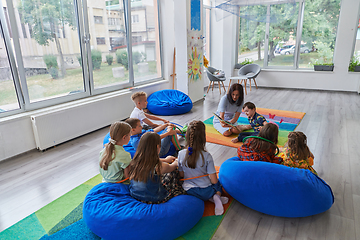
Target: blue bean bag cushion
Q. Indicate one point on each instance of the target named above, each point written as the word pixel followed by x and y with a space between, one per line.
pixel 111 213
pixel 169 102
pixel 275 189
pixel 130 149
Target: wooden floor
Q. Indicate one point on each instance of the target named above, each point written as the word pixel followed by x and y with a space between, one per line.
pixel 332 124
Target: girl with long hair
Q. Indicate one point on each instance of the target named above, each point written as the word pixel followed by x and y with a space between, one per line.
pixel 152 180
pixel 263 148
pixel 114 160
pixel 296 152
pixel 194 163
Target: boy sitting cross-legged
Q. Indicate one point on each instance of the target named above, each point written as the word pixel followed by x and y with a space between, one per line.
pixel 140 100
pixel 166 137
pixel 256 120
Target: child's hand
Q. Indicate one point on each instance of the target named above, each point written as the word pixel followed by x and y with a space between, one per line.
pixel 223 124
pixel 170 159
pixel 235 140
pixel 165 121
pixel 175 163
pixel 171 131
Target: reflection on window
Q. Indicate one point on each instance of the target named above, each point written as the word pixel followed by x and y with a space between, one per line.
pixel 135 18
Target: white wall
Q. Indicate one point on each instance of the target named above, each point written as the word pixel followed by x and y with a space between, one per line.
pixel 223 48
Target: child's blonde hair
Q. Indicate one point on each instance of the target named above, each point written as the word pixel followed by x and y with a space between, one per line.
pixel 137 95
pixel 146 158
pixel 297 145
pixel 195 141
pixel 117 131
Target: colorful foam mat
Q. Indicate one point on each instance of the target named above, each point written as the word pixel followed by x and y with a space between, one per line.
pixel 286 120
pixel 62 219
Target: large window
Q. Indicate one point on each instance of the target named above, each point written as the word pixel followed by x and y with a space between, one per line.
pixel 145 41
pixel 291 34
pixel 58 51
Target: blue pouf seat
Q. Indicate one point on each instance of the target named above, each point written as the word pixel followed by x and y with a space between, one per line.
pixel 169 102
pixel 275 189
pixel 111 213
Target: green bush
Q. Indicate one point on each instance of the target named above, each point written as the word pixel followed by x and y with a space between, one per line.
pixel 325 53
pixel 109 59
pixel 50 61
pixel 54 72
pixel 137 57
pixel 122 58
pixel 353 63
pixel 96 59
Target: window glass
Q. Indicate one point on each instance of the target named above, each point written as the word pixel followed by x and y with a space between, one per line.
pixel 282 35
pixel 145 40
pixel 108 44
pixel 50 56
pixel 319 31
pixel 251 37
pixel 356 57
pixel 8 98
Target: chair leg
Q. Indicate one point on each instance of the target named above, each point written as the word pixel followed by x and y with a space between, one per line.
pixel 209 87
pixel 212 89
pixel 250 83
pixel 223 87
pixel 245 86
pixel 219 85
pixel 229 83
pixel 255 84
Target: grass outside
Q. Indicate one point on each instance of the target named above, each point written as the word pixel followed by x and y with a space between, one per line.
pixel 43 86
pixel 288 60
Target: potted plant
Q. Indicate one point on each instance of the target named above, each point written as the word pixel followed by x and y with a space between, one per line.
pixel 354 65
pixel 243 63
pixel 324 62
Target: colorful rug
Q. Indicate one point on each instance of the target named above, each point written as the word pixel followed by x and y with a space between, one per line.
pixel 62 219
pixel 286 120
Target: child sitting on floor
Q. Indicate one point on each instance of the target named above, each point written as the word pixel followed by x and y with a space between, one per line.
pixel 151 180
pixel 297 154
pixel 195 161
pixel 114 160
pixel 256 121
pixel 166 138
pixel 139 98
pixel 263 148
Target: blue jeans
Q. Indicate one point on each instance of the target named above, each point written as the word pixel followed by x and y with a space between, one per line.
pixel 165 145
pixel 243 135
pixel 205 193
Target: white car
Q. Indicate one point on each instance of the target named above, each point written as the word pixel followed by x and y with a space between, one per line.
pixel 291 50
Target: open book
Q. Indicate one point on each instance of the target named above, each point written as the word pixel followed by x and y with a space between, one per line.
pixel 222 120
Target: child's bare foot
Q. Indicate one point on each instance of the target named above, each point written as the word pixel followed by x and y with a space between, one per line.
pixel 234 140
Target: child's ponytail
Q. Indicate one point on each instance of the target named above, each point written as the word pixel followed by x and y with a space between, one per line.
pixel 196 140
pixel 117 131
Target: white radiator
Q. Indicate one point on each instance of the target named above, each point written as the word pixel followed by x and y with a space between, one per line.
pixel 60 125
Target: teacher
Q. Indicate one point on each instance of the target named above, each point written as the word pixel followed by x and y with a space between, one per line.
pixel 229 109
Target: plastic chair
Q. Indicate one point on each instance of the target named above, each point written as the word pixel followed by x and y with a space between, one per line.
pixel 247 72
pixel 213 77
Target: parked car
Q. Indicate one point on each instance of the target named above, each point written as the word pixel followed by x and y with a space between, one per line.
pixel 278 49
pixel 291 50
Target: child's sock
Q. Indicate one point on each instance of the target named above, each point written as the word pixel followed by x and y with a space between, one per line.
pixel 219 209
pixel 224 200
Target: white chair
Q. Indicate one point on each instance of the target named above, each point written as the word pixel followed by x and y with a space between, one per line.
pixel 247 72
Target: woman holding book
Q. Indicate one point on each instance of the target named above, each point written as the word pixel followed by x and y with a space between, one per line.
pixel 229 109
